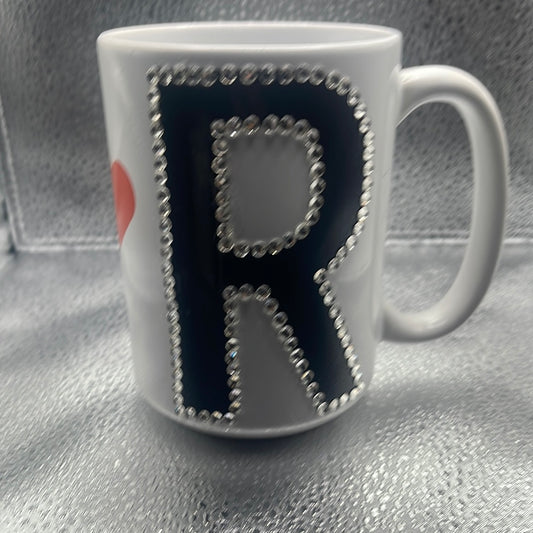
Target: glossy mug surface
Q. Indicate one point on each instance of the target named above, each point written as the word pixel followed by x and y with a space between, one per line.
pixel 251 167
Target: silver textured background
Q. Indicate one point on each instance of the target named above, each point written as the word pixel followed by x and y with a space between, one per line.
pixel 56 173
pixel 442 441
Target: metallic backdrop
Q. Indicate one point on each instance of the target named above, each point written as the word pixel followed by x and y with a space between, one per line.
pixel 56 174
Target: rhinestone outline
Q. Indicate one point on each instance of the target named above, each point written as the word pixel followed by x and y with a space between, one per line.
pixel 222 132
pixel 165 75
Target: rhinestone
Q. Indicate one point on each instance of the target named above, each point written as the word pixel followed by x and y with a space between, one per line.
pixel 316 202
pixel 324 288
pixel 190 412
pixel 275 246
pixel 302 231
pixel 368 167
pixel 321 408
pixel 229 291
pixel 365 198
pixel 353 98
pixel 341 253
pixel 248 74
pixel 286 123
pixel 312 137
pixel 216 416
pixel 232 344
pixel 318 398
pixel 270 124
pixel 351 242
pixel 220 146
pixel 222 213
pixel 152 74
pixel 359 111
pixel 228 74
pixel 279 320
pixel 228 418
pixel 173 315
pixel 285 332
pixel 262 293
pixel 203 415
pixel 362 213
pixel 285 74
pixel 209 75
pixel 307 377
pixel 329 298
pixel 342 331
pixel 344 86
pixel 315 152
pixel 165 76
pixel 251 125
pixel 351 361
pixel 354 393
pixel 222 198
pixel 320 276
pixel 231 318
pixel 234 379
pixel 160 163
pixel 194 74
pixel 229 331
pixel 230 305
pixel 290 344
pixel 221 180
pixel 317 170
pixel 317 75
pixel 156 130
pixel 271 306
pixel 346 341
pixel 357 374
pixel 258 249
pixel 343 399
pixel 333 264
pixel 302 73
pixel 333 405
pixel 178 374
pixel 358 228
pixel 179 73
pixel 332 80
pixel 219 164
pixel 233 366
pixel 368 152
pixel 178 386
pixel 334 311
pixel 241 249
pixel 312 216
pixel 302 365
pixel 349 351
pixel 300 129
pixel 368 138
pixel 296 355
pixel 235 406
pixel 233 127
pixel 367 183
pixel 217 128
pixel 364 125
pixel 289 240
pixel 312 388
pixel 317 186
pixel 234 394
pixel 160 178
pixel 166 239
pixel 267 74
pixel 225 245
pixel 158 147
pixel 246 291
pixel 179 409
pixel 163 194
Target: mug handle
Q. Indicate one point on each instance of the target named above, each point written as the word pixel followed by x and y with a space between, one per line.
pixel 434 83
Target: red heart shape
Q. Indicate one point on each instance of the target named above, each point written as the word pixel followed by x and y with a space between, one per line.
pixel 124 198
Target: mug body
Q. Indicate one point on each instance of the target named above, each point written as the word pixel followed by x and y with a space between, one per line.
pixel 251 167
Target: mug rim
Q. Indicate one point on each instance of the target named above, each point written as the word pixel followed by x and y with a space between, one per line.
pixel 345 35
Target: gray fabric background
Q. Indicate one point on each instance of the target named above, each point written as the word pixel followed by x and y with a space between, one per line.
pixel 441 442
pixel 56 171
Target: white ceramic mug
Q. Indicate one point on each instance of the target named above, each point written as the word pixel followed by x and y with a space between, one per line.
pixel 251 166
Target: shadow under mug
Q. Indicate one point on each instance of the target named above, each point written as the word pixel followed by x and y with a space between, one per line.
pixel 251 168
